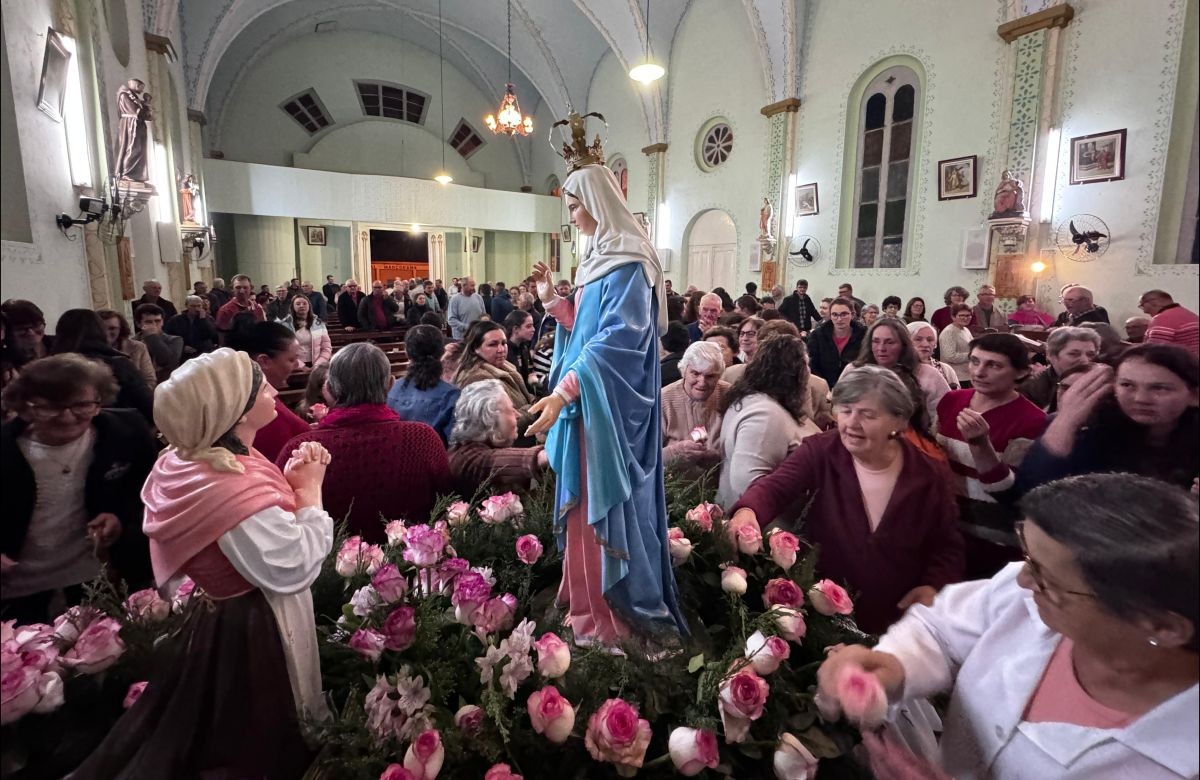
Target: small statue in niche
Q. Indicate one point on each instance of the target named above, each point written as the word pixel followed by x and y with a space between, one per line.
pixel 1009 200
pixel 133 105
pixel 765 215
pixel 188 191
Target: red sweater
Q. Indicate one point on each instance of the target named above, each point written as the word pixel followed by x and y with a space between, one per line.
pixel 917 542
pixel 381 468
pixel 271 438
pixel 1012 429
pixel 1175 325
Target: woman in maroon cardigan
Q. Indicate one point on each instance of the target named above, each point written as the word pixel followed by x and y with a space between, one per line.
pixel 882 513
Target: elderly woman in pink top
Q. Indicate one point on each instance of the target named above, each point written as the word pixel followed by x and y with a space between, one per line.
pixel 233 687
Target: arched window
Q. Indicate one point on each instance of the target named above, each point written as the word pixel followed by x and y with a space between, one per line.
pixel 883 180
pixel 620 169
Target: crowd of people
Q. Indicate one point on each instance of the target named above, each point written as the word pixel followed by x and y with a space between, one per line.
pixel 918 448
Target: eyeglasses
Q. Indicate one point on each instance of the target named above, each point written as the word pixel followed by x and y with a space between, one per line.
pixel 51 411
pixel 1053 594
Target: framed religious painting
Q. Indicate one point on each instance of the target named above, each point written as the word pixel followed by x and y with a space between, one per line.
pixel 1098 157
pixel 807 203
pixel 958 178
pixel 314 235
pixel 565 232
pixel 56 65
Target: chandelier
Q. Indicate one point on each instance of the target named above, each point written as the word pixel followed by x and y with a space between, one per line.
pixel 508 118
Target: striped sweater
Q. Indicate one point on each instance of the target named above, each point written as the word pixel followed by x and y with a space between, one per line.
pixel 1013 429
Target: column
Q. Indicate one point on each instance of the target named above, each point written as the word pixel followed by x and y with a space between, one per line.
pixel 656 160
pixel 781 118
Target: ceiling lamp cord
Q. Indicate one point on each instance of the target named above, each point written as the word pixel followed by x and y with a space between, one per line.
pixel 647 70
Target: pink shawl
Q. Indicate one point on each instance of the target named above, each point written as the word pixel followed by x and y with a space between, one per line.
pixel 190 505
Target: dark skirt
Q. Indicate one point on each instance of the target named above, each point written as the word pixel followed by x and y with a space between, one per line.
pixel 218 705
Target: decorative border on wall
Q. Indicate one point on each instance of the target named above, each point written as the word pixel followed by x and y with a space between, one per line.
pixel 774 177
pixel 925 174
pixel 1026 103
pixel 20 253
pixel 1002 86
pixel 654 163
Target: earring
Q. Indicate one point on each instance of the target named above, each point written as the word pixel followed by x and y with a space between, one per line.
pixel 894 435
pixel 1153 641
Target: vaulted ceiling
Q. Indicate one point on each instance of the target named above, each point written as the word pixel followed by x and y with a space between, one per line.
pixel 556 44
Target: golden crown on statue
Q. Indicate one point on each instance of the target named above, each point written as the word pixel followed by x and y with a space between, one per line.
pixel 579 153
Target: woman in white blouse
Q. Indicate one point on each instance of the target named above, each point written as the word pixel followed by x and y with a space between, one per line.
pixel 1079 663
pixel 763 417
pixel 231 689
pixel 954 343
pixel 311 333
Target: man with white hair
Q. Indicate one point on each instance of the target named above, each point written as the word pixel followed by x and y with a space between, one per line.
pixel 218 296
pixel 985 316
pixel 199 333
pixel 1080 307
pixel 691 407
pixel 710 310
pixel 152 293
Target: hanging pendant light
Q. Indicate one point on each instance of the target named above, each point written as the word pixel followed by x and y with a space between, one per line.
pixel 443 177
pixel 647 71
pixel 508 119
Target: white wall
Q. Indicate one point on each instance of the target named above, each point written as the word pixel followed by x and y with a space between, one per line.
pixel 253 128
pixel 614 94
pixel 336 257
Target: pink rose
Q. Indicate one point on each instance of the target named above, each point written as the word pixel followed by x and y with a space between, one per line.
pixel 551 715
pixel 733 579
pixel 471 591
pixel 447 571
pixel 529 549
pixel 423 545
pixel 400 628
pixel 766 653
pixel 397 772
pixel 18 691
pixel 790 623
pixel 145 605
pixel 829 598
pixel 693 750
pixel 365 600
pixel 34 644
pixel 678 545
pixel 501 772
pixel 395 530
pixel 741 701
pixel 495 615
pixel 425 755
pixel 368 643
pixel 616 734
pixel 554 655
pixel 861 696
pixel 469 719
pixel 703 515
pixel 748 538
pixel 134 693
pixel 782 591
pixel 793 761
pixel 784 547
pixel 458 513
pixel 700 434
pixel 356 555
pixel 501 508
pixel 98 647
pixel 389 583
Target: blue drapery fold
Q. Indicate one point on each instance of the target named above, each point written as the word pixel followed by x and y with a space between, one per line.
pixel 613 350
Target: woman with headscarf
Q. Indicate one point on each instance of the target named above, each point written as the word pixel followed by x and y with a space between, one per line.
pixel 603 421
pixel 228 694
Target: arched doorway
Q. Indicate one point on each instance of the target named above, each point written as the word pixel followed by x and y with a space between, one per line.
pixel 711 247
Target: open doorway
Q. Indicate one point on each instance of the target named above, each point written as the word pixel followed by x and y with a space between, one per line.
pixel 399 254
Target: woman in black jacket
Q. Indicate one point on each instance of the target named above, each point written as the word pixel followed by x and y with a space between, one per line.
pixel 417 309
pixel 73 474
pixel 82 331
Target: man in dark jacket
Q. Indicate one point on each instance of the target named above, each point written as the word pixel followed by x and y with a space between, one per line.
pixel 331 290
pixel 199 333
pixel 502 304
pixel 443 297
pixel 675 341
pixel 377 311
pixel 799 309
pixel 835 344
pixel 347 305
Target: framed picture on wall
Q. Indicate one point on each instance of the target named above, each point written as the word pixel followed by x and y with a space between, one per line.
pixel 314 235
pixel 958 178
pixel 55 67
pixel 476 242
pixel 1098 157
pixel 564 231
pixel 807 203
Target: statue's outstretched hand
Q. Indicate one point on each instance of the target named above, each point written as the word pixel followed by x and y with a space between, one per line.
pixel 543 277
pixel 547 410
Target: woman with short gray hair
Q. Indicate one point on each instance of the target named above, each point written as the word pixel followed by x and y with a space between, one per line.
pixel 882 512
pixel 691 407
pixel 1079 662
pixel 383 468
pixel 481 454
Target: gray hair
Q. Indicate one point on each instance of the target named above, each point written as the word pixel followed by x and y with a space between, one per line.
pixel 1060 336
pixel 476 413
pixel 703 356
pixel 192 298
pixel 1086 292
pixel 358 374
pixel 711 296
pixel 867 380
pixel 1135 539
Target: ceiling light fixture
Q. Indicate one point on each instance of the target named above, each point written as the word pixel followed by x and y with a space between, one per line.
pixel 647 71
pixel 443 176
pixel 508 119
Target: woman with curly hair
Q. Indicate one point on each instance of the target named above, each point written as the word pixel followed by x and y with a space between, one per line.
pixel 943 317
pixel 763 416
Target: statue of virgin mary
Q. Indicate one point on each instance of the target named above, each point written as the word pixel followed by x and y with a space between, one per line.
pixel 604 441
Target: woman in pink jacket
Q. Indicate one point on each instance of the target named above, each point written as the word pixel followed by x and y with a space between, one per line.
pixel 311 333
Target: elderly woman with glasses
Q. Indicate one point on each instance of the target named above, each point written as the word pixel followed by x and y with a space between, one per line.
pixel 1080 662
pixel 481 445
pixel 73 474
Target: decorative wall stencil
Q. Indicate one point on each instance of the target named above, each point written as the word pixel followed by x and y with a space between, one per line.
pixel 653 163
pixel 1026 103
pixel 776 154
